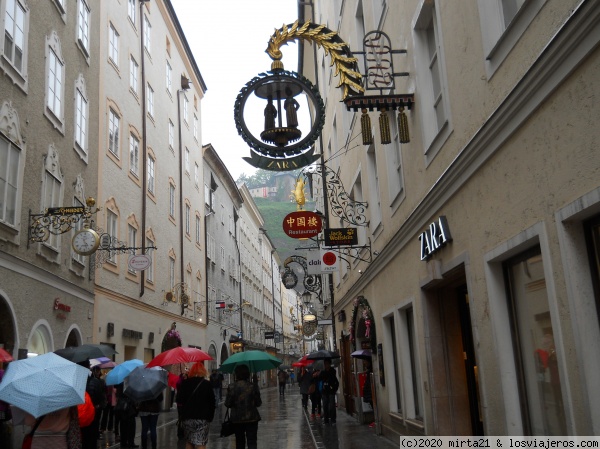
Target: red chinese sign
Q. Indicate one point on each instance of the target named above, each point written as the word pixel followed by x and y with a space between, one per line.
pixel 302 224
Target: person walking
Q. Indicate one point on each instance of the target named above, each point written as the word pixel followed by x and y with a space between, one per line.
pixel 243 398
pixel 126 411
pixel 329 387
pixel 292 378
pixel 197 406
pixel 304 381
pixel 148 411
pixel 96 388
pixel 216 381
pixel 106 422
pixel 282 377
pixel 314 392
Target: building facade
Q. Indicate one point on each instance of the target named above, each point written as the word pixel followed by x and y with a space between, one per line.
pixel 478 296
pixel 48 159
pixel 150 183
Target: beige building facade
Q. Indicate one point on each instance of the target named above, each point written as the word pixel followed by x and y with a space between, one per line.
pixel 150 183
pixel 480 303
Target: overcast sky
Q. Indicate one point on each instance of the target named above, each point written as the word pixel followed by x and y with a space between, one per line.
pixel 228 39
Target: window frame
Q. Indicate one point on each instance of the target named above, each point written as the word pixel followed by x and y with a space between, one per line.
pixel 113 45
pixel 15 180
pixel 81 113
pixel 55 81
pixel 17 74
pixel 133 75
pixel 134 155
pixel 112 141
pixel 151 174
pixel 83 27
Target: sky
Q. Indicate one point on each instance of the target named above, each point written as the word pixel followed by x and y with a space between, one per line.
pixel 228 39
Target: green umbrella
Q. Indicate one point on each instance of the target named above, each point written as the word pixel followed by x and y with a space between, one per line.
pixel 255 360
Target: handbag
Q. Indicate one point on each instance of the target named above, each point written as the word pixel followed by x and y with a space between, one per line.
pixel 28 440
pixel 74 431
pixel 312 388
pixel 227 426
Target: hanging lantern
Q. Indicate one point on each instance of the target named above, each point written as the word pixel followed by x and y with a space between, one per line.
pixel 365 127
pixel 403 126
pixel 384 127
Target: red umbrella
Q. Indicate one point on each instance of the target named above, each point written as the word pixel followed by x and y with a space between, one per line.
pixel 302 362
pixel 179 355
pixel 5 356
pixel 173 379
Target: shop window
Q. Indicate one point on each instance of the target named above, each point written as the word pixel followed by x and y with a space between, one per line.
pixel 533 337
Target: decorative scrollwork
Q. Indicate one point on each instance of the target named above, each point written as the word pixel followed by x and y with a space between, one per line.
pixel 312 282
pixel 342 205
pixel 345 63
pixel 59 220
pixel 111 246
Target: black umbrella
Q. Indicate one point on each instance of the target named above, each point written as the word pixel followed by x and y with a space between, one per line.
pixel 144 383
pixel 85 352
pixel 284 367
pixel 322 355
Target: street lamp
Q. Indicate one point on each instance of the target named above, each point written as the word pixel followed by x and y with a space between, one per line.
pixel 306 299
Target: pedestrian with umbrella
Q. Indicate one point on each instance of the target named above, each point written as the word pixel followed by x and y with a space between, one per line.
pixel 243 398
pixel 96 388
pixel 329 387
pixel 304 380
pixel 197 400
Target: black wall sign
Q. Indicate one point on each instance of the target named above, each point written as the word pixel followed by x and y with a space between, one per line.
pixel 340 237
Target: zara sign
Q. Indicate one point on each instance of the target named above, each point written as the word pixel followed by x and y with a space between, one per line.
pixel 434 238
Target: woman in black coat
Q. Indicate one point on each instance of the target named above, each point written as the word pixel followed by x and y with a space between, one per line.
pixel 197 400
pixel 243 398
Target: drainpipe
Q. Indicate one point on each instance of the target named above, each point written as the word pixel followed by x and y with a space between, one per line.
pixel 144 143
pixel 185 85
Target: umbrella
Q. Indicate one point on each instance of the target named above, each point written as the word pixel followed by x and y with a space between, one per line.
pixel 284 367
pixel 43 384
pixel 108 365
pixel 362 354
pixel 322 355
pixel 99 361
pixel 85 352
pixel 302 362
pixel 5 356
pixel 144 383
pixel 256 361
pixel 179 354
pixel 173 379
pixel 121 371
pixel 319 365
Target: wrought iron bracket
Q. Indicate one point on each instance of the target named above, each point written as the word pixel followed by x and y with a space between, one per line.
pixel 312 282
pixel 355 252
pixel 110 246
pixel 342 205
pixel 59 220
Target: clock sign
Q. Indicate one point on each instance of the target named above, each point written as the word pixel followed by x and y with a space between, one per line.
pixel 85 241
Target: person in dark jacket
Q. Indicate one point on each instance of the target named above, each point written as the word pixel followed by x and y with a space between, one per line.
pixel 304 380
pixel 243 398
pixel 96 388
pixel 125 412
pixel 329 387
pixel 197 405
pixel 148 411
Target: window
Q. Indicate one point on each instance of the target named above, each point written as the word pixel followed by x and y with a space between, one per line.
pixel 52 189
pixel 150 252
pixel 131 240
pixel 393 156
pixel 113 45
pixel 133 75
pixel 131 4
pixel 81 114
pixel 431 77
pixel 147 30
pixel 415 376
pixel 196 175
pixel 134 154
pixel 503 22
pixel 207 195
pixel 55 84
pixel 198 229
pixel 533 333
pixel 222 258
pixel 83 26
pixel 169 75
pixel 172 200
pixel 9 172
pixel 150 105
pixel 374 197
pixel 112 230
pixel 187 219
pixel 16 20
pixel 195 127
pixel 171 135
pixel 185 109
pixel 113 132
pixel 151 164
pixel 171 272
pixel 187 160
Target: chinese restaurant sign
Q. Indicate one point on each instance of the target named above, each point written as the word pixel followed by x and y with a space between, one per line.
pixel 340 237
pixel 302 224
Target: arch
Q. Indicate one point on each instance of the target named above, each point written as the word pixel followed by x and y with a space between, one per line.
pixel 362 325
pixel 8 324
pixel 224 353
pixel 74 336
pixel 212 351
pixel 40 339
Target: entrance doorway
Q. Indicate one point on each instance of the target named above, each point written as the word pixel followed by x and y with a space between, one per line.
pixel 453 369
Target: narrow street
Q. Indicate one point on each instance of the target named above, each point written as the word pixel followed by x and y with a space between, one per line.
pixel 283 425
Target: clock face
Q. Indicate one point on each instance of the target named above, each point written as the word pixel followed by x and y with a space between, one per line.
pixel 309 328
pixel 85 242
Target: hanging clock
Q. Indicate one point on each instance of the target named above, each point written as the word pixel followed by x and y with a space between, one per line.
pixel 85 241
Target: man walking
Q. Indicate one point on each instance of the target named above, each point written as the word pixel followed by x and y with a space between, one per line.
pixel 330 385
pixel 282 377
pixel 216 381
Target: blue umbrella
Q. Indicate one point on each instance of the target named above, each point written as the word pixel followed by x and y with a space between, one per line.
pixel 121 371
pixel 43 384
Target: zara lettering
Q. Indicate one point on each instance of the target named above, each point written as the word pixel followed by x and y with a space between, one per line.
pixel 434 238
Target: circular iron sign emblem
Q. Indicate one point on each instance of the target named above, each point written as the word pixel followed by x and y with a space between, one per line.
pixel 302 224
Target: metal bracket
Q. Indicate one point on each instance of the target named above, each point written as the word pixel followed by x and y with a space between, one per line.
pixel 110 246
pixel 354 251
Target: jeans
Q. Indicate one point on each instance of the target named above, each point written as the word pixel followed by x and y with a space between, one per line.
pixel 149 425
pixel 281 388
pixel 329 411
pixel 217 392
pixel 315 400
pixel 246 431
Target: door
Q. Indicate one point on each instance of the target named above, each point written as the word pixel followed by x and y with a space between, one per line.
pixel 347 375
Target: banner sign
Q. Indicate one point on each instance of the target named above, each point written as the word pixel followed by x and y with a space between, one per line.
pixel 302 224
pixel 313 262
pixel 340 237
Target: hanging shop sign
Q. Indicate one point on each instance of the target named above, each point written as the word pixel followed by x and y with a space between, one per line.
pixel 289 279
pixel 329 261
pixel 139 262
pixel 434 237
pixel 340 237
pixel 302 224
